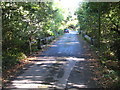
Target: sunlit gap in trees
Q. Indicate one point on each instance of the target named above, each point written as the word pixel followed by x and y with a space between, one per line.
pixel 70 6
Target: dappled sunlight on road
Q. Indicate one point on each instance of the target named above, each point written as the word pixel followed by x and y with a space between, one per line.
pixel 73 85
pixel 73 32
pixel 69 43
pixel 42 86
pixel 52 45
pixel 76 59
pixel 53 67
pixel 48 72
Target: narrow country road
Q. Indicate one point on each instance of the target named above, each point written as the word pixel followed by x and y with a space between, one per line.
pixel 61 66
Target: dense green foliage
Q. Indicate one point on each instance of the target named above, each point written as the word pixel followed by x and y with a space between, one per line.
pixel 24 24
pixel 101 22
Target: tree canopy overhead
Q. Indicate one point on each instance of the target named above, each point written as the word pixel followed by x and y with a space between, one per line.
pixel 26 22
pixel 101 22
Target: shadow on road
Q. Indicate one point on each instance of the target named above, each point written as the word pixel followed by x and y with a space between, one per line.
pixel 63 65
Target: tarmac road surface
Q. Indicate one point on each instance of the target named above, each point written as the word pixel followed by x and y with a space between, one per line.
pixel 60 66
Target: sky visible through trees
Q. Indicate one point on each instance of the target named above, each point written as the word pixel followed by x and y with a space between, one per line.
pixel 27 25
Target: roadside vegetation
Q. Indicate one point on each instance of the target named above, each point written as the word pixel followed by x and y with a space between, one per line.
pixel 27 26
pixel 100 25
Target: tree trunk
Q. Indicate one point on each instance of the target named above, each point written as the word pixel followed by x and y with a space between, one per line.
pixel 30 46
pixel 99 28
